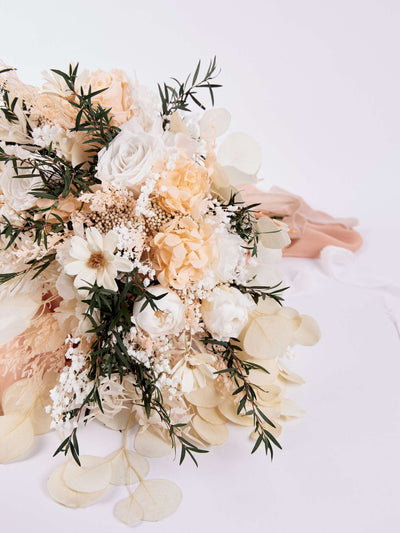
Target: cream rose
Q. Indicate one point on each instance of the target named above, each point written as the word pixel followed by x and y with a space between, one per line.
pixel 17 191
pixel 130 157
pixel 118 95
pixel 225 312
pixel 168 319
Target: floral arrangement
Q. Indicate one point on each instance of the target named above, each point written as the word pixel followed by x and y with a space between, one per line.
pixel 137 287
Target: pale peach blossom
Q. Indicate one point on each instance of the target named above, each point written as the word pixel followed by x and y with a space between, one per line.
pixel 182 252
pixel 183 188
pixel 118 95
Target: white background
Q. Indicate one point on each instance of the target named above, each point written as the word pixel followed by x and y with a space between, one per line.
pixel 317 84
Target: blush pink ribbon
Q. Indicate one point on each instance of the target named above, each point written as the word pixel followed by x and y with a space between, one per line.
pixel 310 230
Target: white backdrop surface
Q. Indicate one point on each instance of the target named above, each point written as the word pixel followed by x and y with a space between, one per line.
pixel 318 85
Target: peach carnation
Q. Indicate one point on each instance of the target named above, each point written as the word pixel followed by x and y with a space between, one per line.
pixel 183 188
pixel 182 252
pixel 118 95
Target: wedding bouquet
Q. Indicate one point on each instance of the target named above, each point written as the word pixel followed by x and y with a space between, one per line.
pixel 137 287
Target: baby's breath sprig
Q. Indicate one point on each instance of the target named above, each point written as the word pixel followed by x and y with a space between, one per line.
pixel 238 371
pixel 178 98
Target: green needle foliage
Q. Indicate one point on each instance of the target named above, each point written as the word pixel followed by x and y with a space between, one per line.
pixel 178 97
pixel 238 371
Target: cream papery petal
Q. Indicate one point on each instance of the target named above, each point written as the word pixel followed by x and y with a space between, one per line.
pixel 31 397
pixel 158 498
pixel 79 249
pixel 116 421
pixel 74 267
pixel 122 264
pixel 152 444
pixel 260 378
pixel 236 177
pixel 289 376
pixel 110 242
pixel 308 333
pixel 214 122
pixel 206 397
pixel 94 239
pixel 61 493
pixel 267 336
pixel 275 431
pixel 290 408
pixel 269 306
pixel 272 235
pixel 127 467
pixel 16 436
pixel 211 415
pixel 240 151
pixel 93 475
pixel 214 434
pixel 229 409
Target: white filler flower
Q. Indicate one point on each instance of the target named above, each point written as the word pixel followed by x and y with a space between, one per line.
pixel 93 260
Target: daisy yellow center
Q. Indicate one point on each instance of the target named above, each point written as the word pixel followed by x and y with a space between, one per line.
pixel 97 260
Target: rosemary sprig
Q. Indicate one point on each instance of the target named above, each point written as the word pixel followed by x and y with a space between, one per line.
pixel 257 292
pixel 180 96
pixel 238 371
pixel 95 122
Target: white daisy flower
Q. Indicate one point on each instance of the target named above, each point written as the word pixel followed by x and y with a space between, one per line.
pixel 93 260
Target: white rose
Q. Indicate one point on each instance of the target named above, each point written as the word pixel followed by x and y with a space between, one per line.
pixel 225 312
pixel 168 319
pixel 230 255
pixel 16 191
pixel 129 158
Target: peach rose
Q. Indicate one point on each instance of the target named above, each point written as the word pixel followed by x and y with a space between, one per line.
pixel 183 188
pixel 118 95
pixel 182 252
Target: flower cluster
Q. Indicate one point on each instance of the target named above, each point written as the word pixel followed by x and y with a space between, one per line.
pixel 122 224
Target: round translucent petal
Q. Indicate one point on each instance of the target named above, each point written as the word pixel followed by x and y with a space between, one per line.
pixel 214 122
pixel 275 432
pixel 240 151
pixel 289 376
pixel 93 475
pixel 308 333
pixel 59 491
pixel 127 467
pixel 16 436
pixel 214 434
pixel 151 444
pixel 158 498
pixel 205 397
pixel 229 410
pixel 31 396
pixel 117 421
pixel 291 409
pixel 272 235
pixel 267 336
pixel 210 414
pixel 128 511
